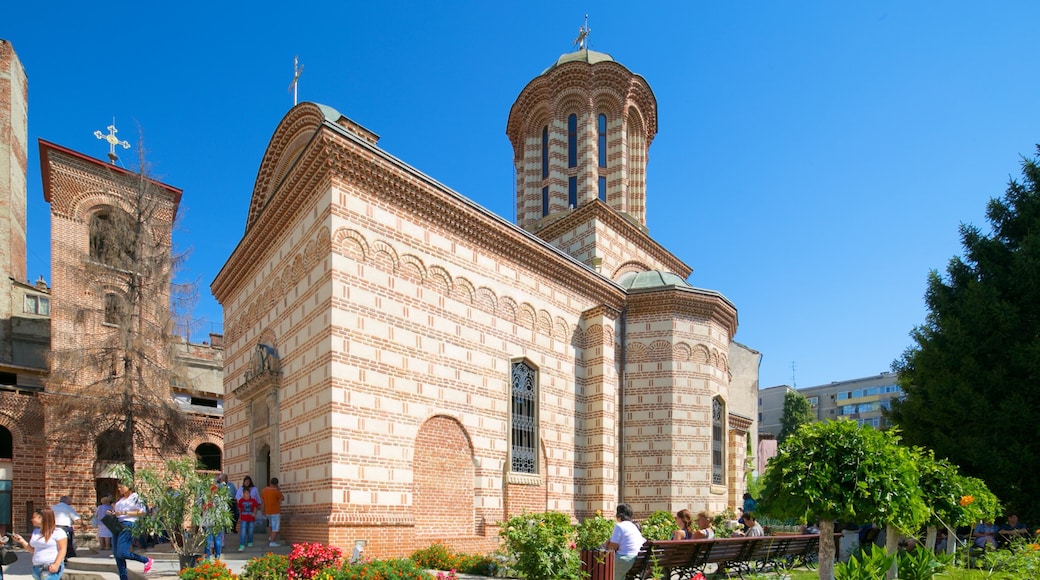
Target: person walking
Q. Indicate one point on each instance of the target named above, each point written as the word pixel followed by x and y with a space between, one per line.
pixel 127 509
pixel 64 517
pixel 271 497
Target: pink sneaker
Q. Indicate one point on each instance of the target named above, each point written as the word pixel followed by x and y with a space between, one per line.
pixel 148 566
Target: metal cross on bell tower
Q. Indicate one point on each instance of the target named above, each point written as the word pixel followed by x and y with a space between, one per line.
pixel 112 141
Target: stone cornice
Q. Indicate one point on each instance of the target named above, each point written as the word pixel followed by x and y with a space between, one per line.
pixel 740 422
pixel 106 176
pixel 263 382
pixel 597 210
pixel 689 301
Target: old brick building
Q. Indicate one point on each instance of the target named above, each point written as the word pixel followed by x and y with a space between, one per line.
pixel 38 465
pixel 415 368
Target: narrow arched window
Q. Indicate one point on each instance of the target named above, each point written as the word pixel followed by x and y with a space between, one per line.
pixel 718 447
pixel 100 231
pixel 545 201
pixel 602 126
pixel 113 309
pixel 524 444
pixel 572 141
pixel 572 192
pixel 545 152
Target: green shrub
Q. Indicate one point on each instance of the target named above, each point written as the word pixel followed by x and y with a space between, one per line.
pixel 921 564
pixel 475 564
pixel 541 546
pixel 870 565
pixel 436 557
pixel 594 532
pixel 397 569
pixel 660 525
pixel 266 567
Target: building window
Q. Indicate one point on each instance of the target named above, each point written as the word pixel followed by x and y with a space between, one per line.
pixel 545 201
pixel 718 450
pixel 814 402
pixel 572 192
pixel 602 125
pixel 602 188
pixel 113 309
pixel 545 152
pixel 572 141
pixel 108 239
pixel 524 442
pixel 37 305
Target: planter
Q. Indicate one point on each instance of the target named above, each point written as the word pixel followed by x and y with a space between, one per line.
pixel 189 560
pixel 597 564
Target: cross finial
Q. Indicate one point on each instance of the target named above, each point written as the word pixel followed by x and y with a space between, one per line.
pixel 297 71
pixel 583 34
pixel 112 141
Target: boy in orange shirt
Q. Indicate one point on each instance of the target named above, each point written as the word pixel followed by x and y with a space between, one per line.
pixel 272 499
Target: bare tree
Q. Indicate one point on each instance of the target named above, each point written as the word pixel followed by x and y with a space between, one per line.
pixel 112 378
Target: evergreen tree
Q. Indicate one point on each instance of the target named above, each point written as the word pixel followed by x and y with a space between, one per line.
pixel 797 412
pixel 970 380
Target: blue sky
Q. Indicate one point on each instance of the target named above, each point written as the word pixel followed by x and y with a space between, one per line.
pixel 812 163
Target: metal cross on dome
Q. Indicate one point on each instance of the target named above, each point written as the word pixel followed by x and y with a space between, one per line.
pixel 583 34
pixel 112 141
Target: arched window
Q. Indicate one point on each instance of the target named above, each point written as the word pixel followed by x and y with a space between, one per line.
pixel 718 447
pixel 545 152
pixel 572 140
pixel 602 126
pixel 545 170
pixel 524 444
pixel 110 235
pixel 208 457
pixel 6 444
pixel 113 309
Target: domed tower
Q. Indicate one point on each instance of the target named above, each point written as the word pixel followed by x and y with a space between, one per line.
pixel 580 132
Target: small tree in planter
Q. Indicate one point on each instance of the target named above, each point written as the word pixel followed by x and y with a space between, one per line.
pixel 181 501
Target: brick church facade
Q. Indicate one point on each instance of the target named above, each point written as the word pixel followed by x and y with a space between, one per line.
pixel 415 368
pixel 38 464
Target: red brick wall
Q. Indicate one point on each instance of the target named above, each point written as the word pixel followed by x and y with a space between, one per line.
pixel 443 496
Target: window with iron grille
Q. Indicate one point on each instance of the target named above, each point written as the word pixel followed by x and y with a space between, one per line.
pixel 718 449
pixel 524 421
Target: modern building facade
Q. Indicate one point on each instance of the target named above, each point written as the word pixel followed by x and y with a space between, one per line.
pixel 415 368
pixel 862 400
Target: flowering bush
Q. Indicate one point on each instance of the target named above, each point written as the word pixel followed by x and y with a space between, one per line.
pixel 267 567
pixel 594 532
pixel 207 571
pixel 402 569
pixel 440 557
pixel 659 526
pixel 542 547
pixel 307 559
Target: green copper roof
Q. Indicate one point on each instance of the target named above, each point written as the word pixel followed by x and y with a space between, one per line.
pixel 651 279
pixel 589 56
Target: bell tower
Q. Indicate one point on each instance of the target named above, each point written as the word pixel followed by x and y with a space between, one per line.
pixel 580 132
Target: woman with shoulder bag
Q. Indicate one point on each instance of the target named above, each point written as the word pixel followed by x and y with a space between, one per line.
pixel 47 545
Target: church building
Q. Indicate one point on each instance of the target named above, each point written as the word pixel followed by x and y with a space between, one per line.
pixel 415 368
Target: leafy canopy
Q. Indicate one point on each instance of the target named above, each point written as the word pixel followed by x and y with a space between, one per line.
pixel 837 470
pixel 969 379
pixel 797 412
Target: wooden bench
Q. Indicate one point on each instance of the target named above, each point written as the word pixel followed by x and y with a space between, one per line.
pixel 683 559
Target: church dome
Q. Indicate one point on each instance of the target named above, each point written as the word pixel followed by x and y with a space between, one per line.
pixel 652 279
pixel 589 56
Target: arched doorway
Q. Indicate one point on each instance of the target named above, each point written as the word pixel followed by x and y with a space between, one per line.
pixel 209 457
pixel 113 448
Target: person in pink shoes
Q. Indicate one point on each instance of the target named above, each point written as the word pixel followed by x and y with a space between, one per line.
pixel 127 509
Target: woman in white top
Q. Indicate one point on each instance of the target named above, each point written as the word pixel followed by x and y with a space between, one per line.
pixel 127 508
pixel 47 545
pixel 625 540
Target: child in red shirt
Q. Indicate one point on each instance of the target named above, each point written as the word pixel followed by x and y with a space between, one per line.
pixel 247 507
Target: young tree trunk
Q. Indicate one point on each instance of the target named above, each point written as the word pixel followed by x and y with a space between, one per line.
pixel 929 541
pixel 826 549
pixel 892 547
